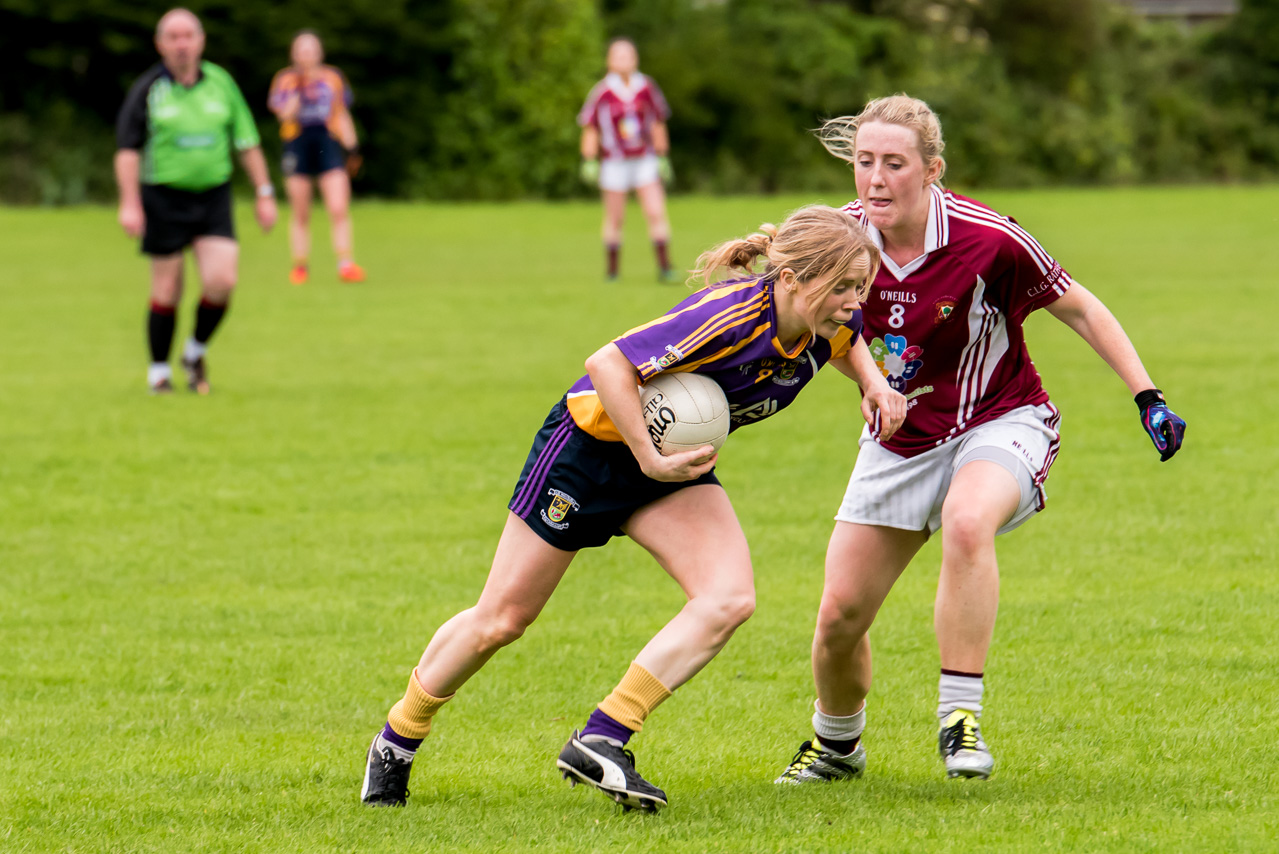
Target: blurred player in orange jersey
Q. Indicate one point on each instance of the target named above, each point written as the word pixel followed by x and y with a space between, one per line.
pixel 312 101
pixel 625 147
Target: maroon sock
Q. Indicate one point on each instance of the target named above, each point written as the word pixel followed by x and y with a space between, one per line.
pixel 160 323
pixel 614 252
pixel 663 258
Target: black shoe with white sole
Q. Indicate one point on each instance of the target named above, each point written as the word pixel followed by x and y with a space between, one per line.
pixel 386 778
pixel 610 769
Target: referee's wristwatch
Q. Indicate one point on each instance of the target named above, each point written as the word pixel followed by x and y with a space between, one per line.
pixel 266 191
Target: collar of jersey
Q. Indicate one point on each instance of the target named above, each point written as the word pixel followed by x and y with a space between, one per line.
pixel 614 82
pixel 936 235
pixel 771 288
pixel 199 75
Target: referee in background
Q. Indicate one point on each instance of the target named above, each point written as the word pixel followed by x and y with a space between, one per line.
pixel 174 138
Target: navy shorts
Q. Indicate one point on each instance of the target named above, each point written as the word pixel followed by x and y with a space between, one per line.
pixel 177 217
pixel 577 491
pixel 313 152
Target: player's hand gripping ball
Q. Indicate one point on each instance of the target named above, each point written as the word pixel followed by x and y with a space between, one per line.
pixel 684 412
pixel 1162 425
pixel 589 172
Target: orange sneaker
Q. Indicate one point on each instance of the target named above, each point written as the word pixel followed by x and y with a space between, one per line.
pixel 298 275
pixel 351 272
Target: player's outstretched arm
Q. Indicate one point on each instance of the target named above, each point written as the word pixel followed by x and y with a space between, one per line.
pixel 1080 309
pixel 617 383
pixel 879 401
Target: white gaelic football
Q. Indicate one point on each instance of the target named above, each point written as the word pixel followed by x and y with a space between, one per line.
pixel 684 412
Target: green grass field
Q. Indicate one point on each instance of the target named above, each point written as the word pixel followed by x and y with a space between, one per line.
pixel 208 604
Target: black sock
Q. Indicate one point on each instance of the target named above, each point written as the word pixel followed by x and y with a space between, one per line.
pixel 160 323
pixel 614 250
pixel 843 748
pixel 207 318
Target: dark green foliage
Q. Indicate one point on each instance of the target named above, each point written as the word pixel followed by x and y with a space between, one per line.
pixel 476 98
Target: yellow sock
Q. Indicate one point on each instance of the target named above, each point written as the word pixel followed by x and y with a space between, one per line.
pixel 634 698
pixel 411 716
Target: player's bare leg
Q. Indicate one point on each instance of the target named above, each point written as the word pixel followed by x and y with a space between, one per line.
pixel 862 564
pixel 525 572
pixel 652 199
pixel 166 293
pixel 298 189
pixel 695 536
pixel 335 187
pixel 611 231
pixel 982 497
pixel 217 259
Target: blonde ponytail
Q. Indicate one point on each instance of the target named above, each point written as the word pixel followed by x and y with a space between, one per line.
pixel 815 242
pixel 739 255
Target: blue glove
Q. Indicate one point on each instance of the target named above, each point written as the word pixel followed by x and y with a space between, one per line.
pixel 1163 425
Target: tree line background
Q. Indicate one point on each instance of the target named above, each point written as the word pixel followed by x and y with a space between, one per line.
pixel 477 99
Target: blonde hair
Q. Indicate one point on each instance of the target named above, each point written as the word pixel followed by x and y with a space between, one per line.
pixel 839 135
pixel 815 242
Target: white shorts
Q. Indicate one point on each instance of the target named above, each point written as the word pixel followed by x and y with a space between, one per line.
pixel 626 173
pixel 908 492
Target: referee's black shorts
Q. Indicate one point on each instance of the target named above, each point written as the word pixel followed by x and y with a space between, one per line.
pixel 177 217
pixel 577 491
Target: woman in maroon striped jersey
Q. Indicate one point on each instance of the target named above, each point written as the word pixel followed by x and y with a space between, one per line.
pixel 944 325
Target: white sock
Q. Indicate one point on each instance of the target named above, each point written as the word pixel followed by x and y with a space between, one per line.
pixel 401 753
pixel 958 692
pixel 194 350
pixel 157 371
pixel 837 728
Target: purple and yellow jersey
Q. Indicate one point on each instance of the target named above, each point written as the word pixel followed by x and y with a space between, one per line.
pixel 324 98
pixel 728 333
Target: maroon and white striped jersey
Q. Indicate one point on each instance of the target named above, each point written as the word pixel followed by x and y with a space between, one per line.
pixel 624 114
pixel 946 329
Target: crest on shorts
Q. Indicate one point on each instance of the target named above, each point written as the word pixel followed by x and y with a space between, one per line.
pixel 561 504
pixel 942 310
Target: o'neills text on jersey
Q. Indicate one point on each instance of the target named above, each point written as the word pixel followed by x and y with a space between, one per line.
pixel 897 296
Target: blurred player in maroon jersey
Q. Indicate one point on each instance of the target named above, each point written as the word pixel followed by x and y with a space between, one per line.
pixel 944 324
pixel 625 147
pixel 312 101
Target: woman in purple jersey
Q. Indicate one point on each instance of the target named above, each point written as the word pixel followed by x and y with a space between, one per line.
pixel 593 473
pixel 944 324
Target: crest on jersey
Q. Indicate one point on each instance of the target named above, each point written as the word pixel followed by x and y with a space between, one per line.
pixel 898 360
pixel 942 310
pixel 561 504
pixel 785 373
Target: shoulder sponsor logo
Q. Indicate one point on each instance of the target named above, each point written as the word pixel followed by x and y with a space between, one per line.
pixel 1051 278
pixel 561 504
pixel 673 355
